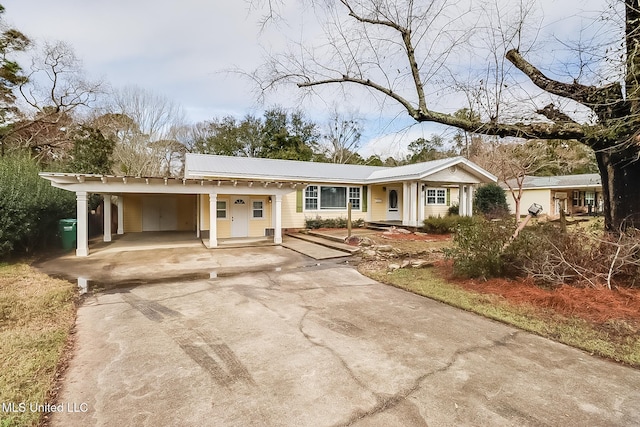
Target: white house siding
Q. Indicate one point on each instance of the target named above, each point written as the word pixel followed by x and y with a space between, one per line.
pixel 132 208
pixel 378 203
pixel 441 210
pixel 293 219
pixel 223 225
pixel 436 210
pixel 186 213
pixel 454 175
pixel 256 227
pixel 530 196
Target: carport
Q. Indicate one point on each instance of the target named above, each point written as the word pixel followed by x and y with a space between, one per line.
pixel 169 204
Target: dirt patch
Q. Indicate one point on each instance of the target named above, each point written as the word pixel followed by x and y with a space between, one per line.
pixel 412 243
pixel 416 237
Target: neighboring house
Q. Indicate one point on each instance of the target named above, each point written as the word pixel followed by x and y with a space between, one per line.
pixel 223 197
pixel 574 194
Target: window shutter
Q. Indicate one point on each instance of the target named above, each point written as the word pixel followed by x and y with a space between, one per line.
pixel 448 197
pixel 364 198
pixel 299 201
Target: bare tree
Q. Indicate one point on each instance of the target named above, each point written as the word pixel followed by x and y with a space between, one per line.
pixel 513 162
pixel 146 126
pixel 408 52
pixel 55 91
pixel 56 82
pixel 154 115
pixel 342 137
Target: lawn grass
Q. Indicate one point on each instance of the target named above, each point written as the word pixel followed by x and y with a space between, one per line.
pixel 617 345
pixel 37 313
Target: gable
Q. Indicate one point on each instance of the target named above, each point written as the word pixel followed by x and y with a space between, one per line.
pixel 454 175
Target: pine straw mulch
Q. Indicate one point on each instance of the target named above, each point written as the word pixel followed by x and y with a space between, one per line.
pixel 598 306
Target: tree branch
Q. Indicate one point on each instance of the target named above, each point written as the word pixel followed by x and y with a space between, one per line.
pixel 408 44
pixel 563 130
pixel 601 100
pixel 566 130
pixel 404 102
pixel 552 113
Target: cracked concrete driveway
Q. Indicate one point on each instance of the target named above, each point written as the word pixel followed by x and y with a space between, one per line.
pixel 322 345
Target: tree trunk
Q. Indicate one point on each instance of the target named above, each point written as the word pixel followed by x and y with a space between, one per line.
pixel 517 207
pixel 620 175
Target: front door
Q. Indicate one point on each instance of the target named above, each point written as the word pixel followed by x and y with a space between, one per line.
pixel 239 217
pixel 561 205
pixel 393 204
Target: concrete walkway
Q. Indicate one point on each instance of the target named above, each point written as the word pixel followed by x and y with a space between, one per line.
pixel 296 344
pixel 311 249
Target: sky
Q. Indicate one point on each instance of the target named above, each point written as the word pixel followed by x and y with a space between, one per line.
pixel 183 49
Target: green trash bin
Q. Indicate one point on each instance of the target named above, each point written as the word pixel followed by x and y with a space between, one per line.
pixel 68 229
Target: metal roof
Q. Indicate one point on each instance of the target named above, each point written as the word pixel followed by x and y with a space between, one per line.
pixel 212 166
pixel 561 181
pixel 204 166
pixel 424 169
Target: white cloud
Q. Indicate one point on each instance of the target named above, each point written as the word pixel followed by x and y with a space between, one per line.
pixel 179 48
pixel 394 143
pixel 176 48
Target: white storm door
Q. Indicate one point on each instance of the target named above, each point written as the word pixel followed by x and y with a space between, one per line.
pixel 239 217
pixel 393 204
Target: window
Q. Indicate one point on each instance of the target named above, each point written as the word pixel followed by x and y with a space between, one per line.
pixel 590 198
pixel 221 209
pixel 331 197
pixel 393 200
pixel 576 198
pixel 436 196
pixel 311 198
pixel 257 209
pixel 354 197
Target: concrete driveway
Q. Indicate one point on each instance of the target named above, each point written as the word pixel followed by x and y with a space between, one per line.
pixel 288 342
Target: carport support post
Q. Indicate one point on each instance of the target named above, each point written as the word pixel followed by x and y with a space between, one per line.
pixel 469 200
pixel 213 230
pixel 198 219
pixel 106 215
pixel 120 203
pixel 277 226
pixel 82 238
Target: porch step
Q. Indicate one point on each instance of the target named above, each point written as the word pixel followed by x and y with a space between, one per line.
pixel 377 227
pixel 330 242
pixel 386 226
pixel 311 249
pixel 330 237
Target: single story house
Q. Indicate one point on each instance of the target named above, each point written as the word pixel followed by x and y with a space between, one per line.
pixel 223 197
pixel 574 194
